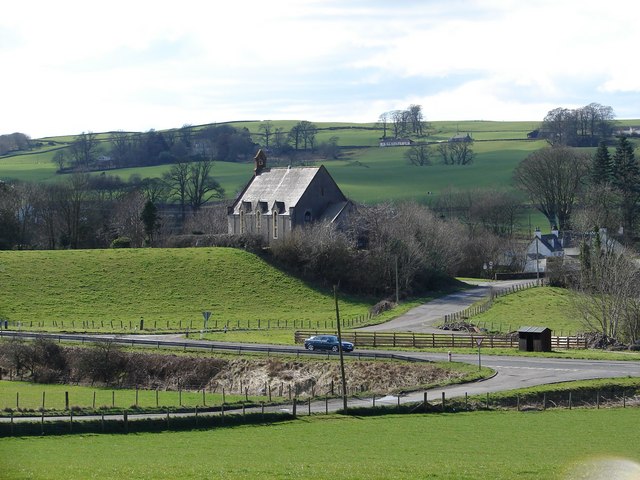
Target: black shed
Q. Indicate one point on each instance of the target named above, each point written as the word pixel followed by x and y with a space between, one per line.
pixel 534 339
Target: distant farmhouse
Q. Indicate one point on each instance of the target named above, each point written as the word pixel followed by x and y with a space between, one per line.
pixel 631 131
pixel 565 245
pixel 277 200
pixel 461 137
pixel 396 142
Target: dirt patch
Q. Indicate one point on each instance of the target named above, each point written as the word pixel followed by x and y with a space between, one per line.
pixel 321 377
pixel 109 365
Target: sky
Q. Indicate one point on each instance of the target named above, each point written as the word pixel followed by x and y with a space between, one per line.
pixel 72 66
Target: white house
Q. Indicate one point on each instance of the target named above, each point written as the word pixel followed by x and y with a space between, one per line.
pixel 396 142
pixel 566 245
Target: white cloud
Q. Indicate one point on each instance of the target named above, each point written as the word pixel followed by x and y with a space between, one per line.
pixel 143 64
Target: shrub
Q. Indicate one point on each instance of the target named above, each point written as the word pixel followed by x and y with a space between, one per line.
pixel 121 242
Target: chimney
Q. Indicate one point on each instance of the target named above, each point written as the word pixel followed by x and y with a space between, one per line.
pixel 260 161
pixel 554 231
pixel 538 233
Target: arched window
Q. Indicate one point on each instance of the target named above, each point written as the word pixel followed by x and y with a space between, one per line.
pixel 242 224
pixel 307 216
pixel 258 221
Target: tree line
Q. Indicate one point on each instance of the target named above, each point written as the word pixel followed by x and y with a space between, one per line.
pixel 93 211
pixel 581 127
pixel 124 149
pixel 14 142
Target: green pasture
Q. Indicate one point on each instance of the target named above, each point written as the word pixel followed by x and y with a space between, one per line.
pixel 581 390
pixel 158 285
pixel 542 306
pixel 496 445
pixel 365 174
pixel 25 396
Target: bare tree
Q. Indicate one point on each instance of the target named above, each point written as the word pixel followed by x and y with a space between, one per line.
pixel 553 177
pixel 155 190
pixel 600 208
pixel 177 179
pixel 495 210
pixel 59 159
pixel 419 155
pixel 72 198
pixel 383 122
pixel 201 186
pixel 607 293
pixel 84 150
pixel 457 153
pixel 399 120
pixel 266 128
pixel 122 148
pixel 416 118
pixel 126 218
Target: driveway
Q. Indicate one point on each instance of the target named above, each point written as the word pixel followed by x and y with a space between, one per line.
pixel 423 319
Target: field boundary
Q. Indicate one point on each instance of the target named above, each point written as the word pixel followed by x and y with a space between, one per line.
pixel 437 340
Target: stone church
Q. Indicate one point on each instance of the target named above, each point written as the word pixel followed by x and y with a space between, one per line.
pixel 277 200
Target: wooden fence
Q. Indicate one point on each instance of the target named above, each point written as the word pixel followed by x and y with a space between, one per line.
pixel 481 307
pixel 436 340
pixel 154 326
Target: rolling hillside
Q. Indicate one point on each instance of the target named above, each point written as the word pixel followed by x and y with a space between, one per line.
pixel 157 284
pixel 365 172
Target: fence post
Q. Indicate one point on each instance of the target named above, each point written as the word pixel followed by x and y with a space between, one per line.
pixel 425 402
pixel 443 400
pixel 569 400
pixel 294 408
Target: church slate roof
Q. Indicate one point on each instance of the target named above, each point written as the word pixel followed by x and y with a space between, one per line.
pixel 271 185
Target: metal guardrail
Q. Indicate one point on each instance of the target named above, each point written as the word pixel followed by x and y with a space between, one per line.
pixel 202 345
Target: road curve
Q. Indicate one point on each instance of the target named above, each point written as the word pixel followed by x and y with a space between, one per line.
pixel 422 319
pixel 511 372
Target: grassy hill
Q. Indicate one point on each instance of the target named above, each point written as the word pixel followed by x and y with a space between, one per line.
pixel 158 284
pixel 366 172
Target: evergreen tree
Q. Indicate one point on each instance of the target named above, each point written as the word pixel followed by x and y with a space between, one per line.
pixel 150 219
pixel 602 166
pixel 626 177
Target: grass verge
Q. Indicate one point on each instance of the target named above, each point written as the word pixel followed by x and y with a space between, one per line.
pixel 480 445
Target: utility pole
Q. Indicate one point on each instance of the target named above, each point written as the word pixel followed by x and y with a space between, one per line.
pixel 344 377
pixel 397 287
pixel 537 264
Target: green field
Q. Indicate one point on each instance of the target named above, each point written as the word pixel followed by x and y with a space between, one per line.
pixel 160 285
pixel 546 306
pixel 371 174
pixel 366 173
pixel 555 444
pixel 29 396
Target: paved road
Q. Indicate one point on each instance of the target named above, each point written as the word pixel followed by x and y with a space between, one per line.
pixel 423 318
pixel 511 373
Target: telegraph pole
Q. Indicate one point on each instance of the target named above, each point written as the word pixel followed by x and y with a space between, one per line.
pixel 344 378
